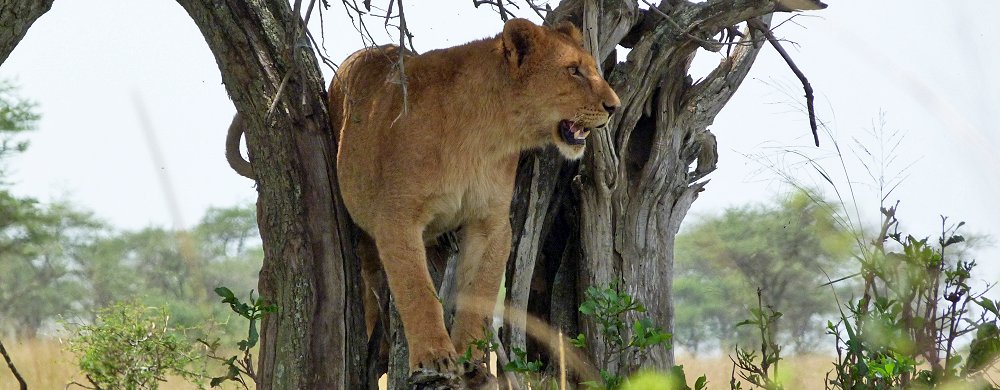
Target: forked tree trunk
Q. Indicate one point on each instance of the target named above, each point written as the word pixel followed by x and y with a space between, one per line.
pixel 617 221
pixel 316 340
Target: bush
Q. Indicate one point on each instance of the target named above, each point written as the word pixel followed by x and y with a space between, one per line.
pixel 131 346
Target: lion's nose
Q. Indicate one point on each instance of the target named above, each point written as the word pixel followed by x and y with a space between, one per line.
pixel 609 109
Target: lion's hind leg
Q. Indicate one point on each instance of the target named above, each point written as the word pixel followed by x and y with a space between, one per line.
pixel 485 247
pixel 432 355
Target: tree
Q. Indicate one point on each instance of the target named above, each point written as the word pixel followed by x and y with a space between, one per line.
pixel 786 249
pixel 317 338
pixel 611 218
pixel 37 242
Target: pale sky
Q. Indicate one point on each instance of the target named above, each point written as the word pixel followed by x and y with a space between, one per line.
pixel 927 66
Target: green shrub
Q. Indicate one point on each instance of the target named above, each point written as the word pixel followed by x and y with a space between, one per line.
pixel 905 330
pixel 131 346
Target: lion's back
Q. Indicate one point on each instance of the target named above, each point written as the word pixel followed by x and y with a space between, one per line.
pixel 360 96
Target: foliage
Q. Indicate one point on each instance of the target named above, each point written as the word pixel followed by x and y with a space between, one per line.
pixel 628 345
pixel 238 366
pixel 916 304
pixel 673 380
pixel 38 248
pixel 83 265
pixel 131 346
pixel 17 116
pixel 521 364
pixel 759 371
pixel 784 249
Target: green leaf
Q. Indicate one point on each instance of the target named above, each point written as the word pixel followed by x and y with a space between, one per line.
pixel 701 383
pixel 253 336
pixel 225 293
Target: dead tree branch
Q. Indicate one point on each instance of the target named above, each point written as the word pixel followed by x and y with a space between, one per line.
pixel 760 26
pixel 501 9
pixel 10 364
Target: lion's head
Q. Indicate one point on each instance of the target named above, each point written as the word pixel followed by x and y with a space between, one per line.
pixel 564 95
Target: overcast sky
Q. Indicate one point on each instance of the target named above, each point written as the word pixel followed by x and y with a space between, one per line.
pixel 928 68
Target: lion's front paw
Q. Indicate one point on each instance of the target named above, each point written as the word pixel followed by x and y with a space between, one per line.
pixel 437 374
pixel 477 377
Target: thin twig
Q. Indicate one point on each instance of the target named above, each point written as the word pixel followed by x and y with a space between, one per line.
pixel 403 33
pixel 760 26
pixel 538 9
pixel 504 13
pixel 10 364
pixel 293 48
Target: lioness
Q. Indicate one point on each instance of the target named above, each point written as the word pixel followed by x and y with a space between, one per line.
pixel 448 158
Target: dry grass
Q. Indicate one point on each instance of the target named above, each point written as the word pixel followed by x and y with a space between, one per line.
pixel 42 363
pixel 803 372
pixel 46 364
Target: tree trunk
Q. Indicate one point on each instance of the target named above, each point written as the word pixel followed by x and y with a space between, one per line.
pixel 636 182
pixel 316 340
pixel 16 16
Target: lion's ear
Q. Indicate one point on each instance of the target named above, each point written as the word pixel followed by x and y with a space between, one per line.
pixel 519 36
pixel 568 28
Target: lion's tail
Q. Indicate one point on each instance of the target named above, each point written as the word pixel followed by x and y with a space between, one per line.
pixel 233 156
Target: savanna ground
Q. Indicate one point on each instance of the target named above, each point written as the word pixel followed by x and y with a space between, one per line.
pixel 46 364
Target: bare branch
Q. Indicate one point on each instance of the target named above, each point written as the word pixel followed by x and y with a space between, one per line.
pixel 501 9
pixel 403 34
pixel 539 9
pixel 10 364
pixel 760 26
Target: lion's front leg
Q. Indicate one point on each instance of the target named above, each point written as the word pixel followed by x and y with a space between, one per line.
pixel 432 355
pixel 485 246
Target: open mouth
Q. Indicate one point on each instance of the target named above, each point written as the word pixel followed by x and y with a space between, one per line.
pixel 573 133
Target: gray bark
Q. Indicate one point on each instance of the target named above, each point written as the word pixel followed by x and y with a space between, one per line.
pixel 638 179
pixel 316 340
pixel 16 16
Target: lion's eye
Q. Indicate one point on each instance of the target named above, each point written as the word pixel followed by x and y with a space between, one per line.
pixel 574 71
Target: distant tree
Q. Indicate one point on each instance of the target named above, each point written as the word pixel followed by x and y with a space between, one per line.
pixel 177 269
pixel 17 116
pixel 37 242
pixel 39 245
pixel 786 249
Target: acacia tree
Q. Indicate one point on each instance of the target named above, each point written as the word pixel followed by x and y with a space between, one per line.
pixel 611 218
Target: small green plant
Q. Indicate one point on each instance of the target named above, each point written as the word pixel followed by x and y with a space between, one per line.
pixel 529 370
pixel 629 345
pixel 672 380
pixel 915 306
pixel 131 346
pixel 521 364
pixel 485 345
pixel 238 366
pixel 759 371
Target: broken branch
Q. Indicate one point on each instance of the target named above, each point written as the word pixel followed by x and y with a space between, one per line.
pixel 10 364
pixel 758 25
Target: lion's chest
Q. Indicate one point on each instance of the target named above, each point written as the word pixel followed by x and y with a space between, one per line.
pixel 472 195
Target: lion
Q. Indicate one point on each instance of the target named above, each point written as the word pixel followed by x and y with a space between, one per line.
pixel 443 155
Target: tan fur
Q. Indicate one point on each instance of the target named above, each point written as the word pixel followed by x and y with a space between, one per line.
pixel 448 160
